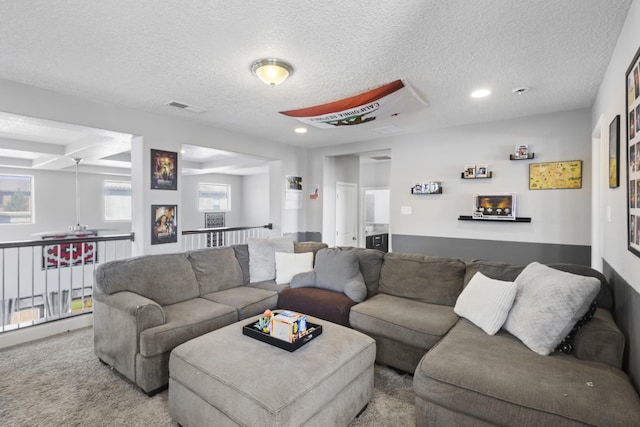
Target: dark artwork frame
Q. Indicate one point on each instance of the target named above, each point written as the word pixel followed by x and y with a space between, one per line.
pixel 632 86
pixel 164 170
pixel 164 231
pixel 614 152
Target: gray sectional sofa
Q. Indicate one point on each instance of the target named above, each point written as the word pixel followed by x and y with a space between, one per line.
pixel 146 306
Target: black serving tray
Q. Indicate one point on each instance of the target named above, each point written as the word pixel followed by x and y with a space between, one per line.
pixel 251 331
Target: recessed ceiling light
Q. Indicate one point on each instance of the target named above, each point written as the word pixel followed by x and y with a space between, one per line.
pixel 480 93
pixel 301 130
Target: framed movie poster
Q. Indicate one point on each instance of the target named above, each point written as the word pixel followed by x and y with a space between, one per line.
pixel 164 170
pixel 633 155
pixel 164 224
pixel 614 153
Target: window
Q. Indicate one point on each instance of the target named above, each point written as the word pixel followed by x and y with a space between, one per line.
pixel 16 199
pixel 117 201
pixel 213 197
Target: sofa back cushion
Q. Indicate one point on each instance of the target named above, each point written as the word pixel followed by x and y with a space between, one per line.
pixel 313 247
pixel 370 261
pixel 242 255
pixel 437 280
pixel 262 256
pixel 216 269
pixel 492 269
pixel 165 279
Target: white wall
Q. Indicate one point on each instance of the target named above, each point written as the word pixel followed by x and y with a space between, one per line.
pixel 55 206
pixel 255 200
pixel 160 132
pixel 609 102
pixel 558 216
pixel 192 218
pixel 375 174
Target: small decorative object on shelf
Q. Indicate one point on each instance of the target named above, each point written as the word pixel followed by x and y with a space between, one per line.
pixel 494 206
pixel 469 171
pixel 522 153
pixel 486 174
pixel 482 171
pixel 433 187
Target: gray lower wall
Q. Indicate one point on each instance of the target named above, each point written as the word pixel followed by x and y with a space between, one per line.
pixel 626 313
pixel 492 250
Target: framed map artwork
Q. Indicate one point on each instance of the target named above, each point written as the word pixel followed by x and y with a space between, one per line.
pixel 555 175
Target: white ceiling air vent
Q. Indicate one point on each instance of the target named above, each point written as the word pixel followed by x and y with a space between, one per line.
pixel 187 107
pixel 389 129
pixel 380 158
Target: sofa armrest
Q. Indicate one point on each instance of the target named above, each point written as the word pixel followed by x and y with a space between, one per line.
pixel 118 320
pixel 600 340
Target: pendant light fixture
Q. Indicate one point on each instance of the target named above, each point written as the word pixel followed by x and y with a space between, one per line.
pixel 271 71
pixel 77 227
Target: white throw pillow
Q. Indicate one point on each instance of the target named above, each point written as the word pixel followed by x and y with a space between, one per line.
pixel 486 302
pixel 262 260
pixel 288 265
pixel 548 304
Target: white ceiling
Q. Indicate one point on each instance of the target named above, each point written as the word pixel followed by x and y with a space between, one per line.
pixel 143 53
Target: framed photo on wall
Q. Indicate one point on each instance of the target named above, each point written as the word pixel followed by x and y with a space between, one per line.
pixel 633 154
pixel 164 170
pixel 164 222
pixel 614 152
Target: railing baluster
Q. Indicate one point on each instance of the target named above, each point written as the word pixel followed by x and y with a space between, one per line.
pixel 20 307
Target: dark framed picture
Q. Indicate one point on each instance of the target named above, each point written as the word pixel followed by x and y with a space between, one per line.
pixel 164 170
pixel 614 152
pixel 164 224
pixel 633 155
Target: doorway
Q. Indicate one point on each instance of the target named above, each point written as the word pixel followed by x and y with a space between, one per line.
pixel 346 214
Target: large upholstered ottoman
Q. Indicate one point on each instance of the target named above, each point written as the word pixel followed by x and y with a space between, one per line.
pixel 225 378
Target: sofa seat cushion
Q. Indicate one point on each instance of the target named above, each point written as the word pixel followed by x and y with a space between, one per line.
pixel 410 322
pixel 323 303
pixel 269 285
pixel 499 381
pixel 185 320
pixel 249 301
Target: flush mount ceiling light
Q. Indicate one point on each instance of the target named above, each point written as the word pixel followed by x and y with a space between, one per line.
pixel 271 71
pixel 480 93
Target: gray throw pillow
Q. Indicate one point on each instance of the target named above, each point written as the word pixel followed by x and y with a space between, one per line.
pixel 548 304
pixel 337 271
pixel 262 256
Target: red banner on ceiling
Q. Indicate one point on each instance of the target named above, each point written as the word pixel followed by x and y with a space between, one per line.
pixel 389 100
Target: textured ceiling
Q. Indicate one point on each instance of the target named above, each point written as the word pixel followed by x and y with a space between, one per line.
pixel 144 53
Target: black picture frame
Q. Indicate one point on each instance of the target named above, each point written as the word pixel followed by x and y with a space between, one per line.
pixel 164 170
pixel 632 86
pixel 164 230
pixel 614 152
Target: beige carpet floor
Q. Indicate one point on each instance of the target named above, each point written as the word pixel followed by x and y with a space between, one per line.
pixel 58 381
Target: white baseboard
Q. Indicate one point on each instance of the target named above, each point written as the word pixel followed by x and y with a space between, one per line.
pixel 32 333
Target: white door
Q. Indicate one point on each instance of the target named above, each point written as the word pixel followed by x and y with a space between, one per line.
pixel 346 214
